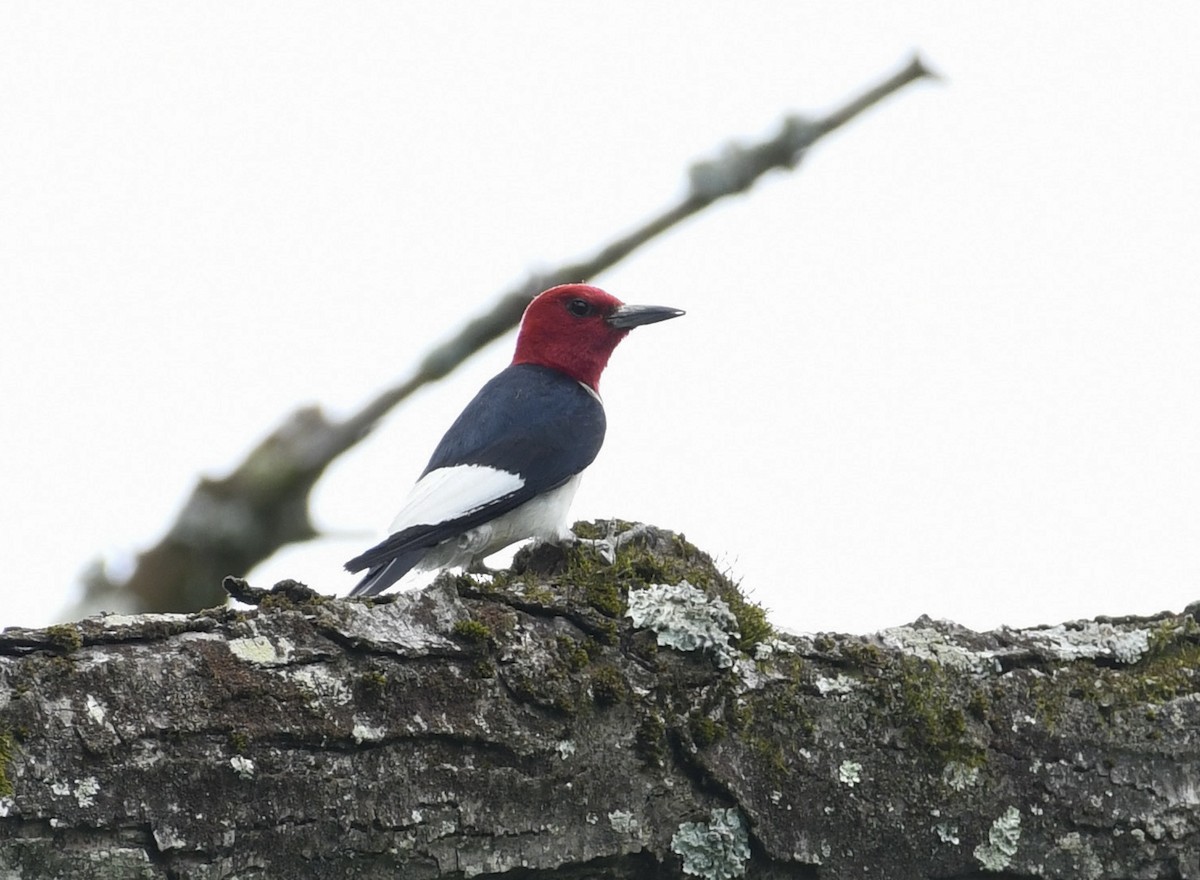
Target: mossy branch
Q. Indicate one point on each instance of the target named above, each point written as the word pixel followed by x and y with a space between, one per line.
pixel 525 724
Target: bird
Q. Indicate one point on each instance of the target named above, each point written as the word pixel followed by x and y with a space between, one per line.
pixel 508 467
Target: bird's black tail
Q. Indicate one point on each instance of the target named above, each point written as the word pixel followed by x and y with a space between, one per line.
pixel 385 564
pixel 389 560
pixel 379 577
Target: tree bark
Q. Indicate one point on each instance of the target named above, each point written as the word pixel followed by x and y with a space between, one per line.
pixel 570 718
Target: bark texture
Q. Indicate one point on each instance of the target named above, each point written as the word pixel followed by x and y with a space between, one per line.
pixel 571 718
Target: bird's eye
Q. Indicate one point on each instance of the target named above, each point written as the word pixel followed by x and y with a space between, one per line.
pixel 580 308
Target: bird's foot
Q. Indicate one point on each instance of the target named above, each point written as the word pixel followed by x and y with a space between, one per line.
pixel 608 546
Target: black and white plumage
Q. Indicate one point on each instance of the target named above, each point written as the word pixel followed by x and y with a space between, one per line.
pixel 509 465
pixel 506 470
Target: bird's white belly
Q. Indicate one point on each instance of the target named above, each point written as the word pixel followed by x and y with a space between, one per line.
pixel 544 517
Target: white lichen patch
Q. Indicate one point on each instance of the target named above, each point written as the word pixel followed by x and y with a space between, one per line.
pixel 566 748
pixel 623 822
pixel 95 710
pixel 931 644
pixel 685 619
pixel 714 850
pixel 947 833
pixel 62 710
pixel 1003 837
pixel 850 773
pixel 366 733
pixel 959 776
pixel 168 838
pixel 1090 639
pixel 242 766
pixel 768 648
pixel 1085 865
pixel 145 754
pixel 86 791
pixel 260 650
pixel 323 684
pixel 838 686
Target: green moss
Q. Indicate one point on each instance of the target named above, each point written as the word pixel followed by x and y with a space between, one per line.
pixel 865 655
pixel 65 636
pixel 483 669
pixel 607 632
pixel 605 597
pixel 548 687
pixel 565 704
pixel 705 731
pixel 608 687
pixel 539 594
pixel 464 583
pixel 284 596
pixel 239 741
pixel 684 548
pixel 373 680
pixel 574 653
pixel 925 701
pixel 781 707
pixel 473 631
pixel 371 685
pixel 1170 635
pixel 823 643
pixel 594 531
pixel 768 721
pixel 751 618
pixel 1160 676
pixel 600 584
pixel 7 750
pixel 737 714
pixel 979 704
pixel 1168 670
pixel 650 740
pixel 1049 695
pixel 606 587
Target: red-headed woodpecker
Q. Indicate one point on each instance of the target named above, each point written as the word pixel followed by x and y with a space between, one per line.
pixel 509 465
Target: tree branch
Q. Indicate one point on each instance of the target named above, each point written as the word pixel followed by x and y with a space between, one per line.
pixel 232 524
pixel 570 719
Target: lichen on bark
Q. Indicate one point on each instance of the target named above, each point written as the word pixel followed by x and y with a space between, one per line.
pixel 521 724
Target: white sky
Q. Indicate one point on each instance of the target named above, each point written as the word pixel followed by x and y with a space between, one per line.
pixel 951 366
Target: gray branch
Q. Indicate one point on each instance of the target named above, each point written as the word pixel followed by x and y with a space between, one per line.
pixel 229 525
pixel 572 719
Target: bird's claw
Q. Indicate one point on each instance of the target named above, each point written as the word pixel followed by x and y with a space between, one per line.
pixel 608 546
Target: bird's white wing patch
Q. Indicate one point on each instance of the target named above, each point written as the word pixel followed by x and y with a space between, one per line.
pixel 450 492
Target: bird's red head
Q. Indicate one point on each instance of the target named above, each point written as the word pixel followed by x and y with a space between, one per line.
pixel 573 328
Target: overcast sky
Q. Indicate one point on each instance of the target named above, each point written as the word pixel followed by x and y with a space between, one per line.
pixel 950 366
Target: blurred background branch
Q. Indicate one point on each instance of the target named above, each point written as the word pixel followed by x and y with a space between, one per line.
pixel 229 525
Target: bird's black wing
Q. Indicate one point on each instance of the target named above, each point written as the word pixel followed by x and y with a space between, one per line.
pixel 527 431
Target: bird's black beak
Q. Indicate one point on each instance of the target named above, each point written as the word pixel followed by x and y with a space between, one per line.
pixel 626 317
